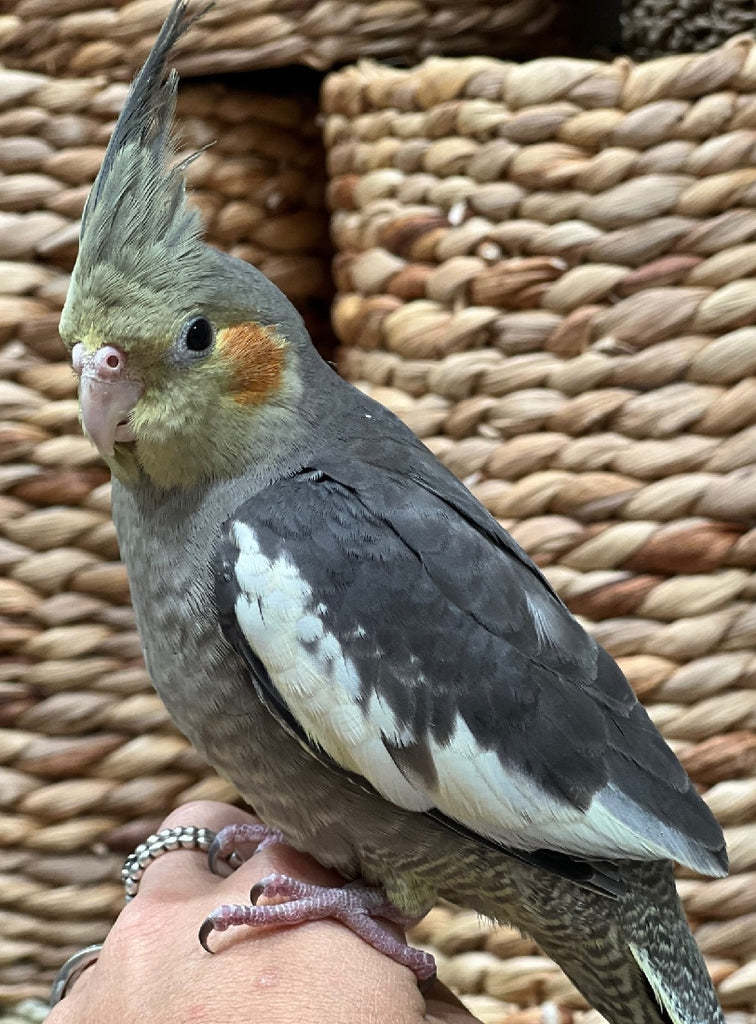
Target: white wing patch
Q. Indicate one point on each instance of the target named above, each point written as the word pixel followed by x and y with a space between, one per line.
pixel 507 806
pixel 320 684
pixel 317 680
pixel 473 786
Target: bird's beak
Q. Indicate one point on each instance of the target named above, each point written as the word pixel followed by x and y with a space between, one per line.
pixel 108 393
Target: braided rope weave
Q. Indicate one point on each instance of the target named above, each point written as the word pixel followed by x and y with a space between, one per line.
pixel 77 37
pixel 564 413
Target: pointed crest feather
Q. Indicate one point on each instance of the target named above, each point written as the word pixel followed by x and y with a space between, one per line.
pixel 143 268
pixel 136 213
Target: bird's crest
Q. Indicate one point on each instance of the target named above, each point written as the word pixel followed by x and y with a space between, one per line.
pixel 137 192
pixel 137 227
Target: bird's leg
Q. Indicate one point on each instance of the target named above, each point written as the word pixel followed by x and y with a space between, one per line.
pixel 354 905
pixel 231 840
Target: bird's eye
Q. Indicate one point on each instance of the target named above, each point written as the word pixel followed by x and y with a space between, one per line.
pixel 199 335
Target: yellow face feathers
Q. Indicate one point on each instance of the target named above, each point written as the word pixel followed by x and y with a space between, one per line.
pixel 203 407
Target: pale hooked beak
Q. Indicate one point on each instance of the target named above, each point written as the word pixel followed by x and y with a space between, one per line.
pixel 108 393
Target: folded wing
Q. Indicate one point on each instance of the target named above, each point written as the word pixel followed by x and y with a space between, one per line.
pixel 409 639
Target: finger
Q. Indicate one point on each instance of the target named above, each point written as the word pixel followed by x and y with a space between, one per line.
pixel 61 1012
pixel 279 857
pixel 181 874
pixel 184 873
pixel 208 814
pixel 284 860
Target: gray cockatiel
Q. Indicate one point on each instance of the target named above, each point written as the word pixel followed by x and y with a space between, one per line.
pixel 346 634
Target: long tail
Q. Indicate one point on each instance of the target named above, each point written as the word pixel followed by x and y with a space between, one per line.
pixel 633 958
pixel 661 944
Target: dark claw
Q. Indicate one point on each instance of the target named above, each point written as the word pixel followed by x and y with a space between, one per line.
pixel 255 893
pixel 206 929
pixel 426 984
pixel 213 857
pixel 259 836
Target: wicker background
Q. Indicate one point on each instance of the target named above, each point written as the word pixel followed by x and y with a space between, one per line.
pixel 81 37
pixel 547 271
pixel 88 760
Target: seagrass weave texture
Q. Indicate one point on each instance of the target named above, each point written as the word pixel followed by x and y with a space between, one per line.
pixel 88 759
pixel 547 271
pixel 82 38
pixel 580 355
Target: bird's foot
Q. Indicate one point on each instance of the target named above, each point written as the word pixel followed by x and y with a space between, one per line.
pixel 354 905
pixel 233 842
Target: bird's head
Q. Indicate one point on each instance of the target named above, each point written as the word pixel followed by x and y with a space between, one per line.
pixel 188 359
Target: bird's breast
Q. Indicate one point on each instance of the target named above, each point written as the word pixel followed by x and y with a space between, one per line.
pixel 208 692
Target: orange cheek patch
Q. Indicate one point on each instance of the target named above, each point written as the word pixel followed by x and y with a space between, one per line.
pixel 257 356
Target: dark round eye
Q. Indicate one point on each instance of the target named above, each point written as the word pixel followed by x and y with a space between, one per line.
pixel 199 335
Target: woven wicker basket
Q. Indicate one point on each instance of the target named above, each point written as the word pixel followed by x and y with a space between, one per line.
pixel 618 457
pixel 547 271
pixel 77 37
pixel 88 760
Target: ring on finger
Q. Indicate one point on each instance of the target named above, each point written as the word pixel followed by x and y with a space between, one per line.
pixel 182 837
pixel 71 970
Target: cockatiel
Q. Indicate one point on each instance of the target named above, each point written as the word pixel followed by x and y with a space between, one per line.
pixel 346 634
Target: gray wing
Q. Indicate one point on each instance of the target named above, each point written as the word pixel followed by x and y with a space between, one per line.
pixel 406 637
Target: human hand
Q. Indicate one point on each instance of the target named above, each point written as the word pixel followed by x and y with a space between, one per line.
pixel 152 967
